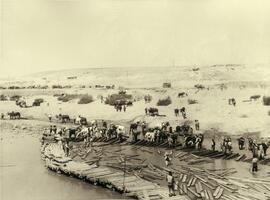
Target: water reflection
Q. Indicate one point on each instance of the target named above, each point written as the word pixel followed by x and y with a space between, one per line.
pixel 23 175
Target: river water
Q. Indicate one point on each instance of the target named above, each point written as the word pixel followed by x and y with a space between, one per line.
pixel 23 175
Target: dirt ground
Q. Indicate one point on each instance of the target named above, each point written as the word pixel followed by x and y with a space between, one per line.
pixel 212 109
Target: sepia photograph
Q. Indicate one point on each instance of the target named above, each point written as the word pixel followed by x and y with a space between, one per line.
pixel 134 99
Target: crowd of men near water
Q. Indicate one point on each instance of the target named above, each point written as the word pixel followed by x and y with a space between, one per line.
pixel 184 135
pixel 164 133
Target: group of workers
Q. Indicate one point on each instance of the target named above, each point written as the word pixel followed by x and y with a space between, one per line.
pixel 86 133
pixel 182 111
pixel 120 107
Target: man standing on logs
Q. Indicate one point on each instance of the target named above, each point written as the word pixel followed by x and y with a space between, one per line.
pixel 265 147
pixel 170 181
pixel 167 158
pixel 255 164
pixel 213 145
pixel 67 148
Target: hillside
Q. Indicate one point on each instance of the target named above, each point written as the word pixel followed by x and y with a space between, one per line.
pixel 182 76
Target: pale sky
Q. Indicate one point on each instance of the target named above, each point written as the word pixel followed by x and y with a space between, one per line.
pixel 39 35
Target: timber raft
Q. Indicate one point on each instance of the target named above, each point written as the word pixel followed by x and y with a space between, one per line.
pixel 198 152
pixel 132 186
pixel 193 182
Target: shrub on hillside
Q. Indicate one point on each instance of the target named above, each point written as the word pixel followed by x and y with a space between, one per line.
pixel 40 100
pixel 67 87
pixel 199 86
pixel 254 97
pixel 192 101
pixel 116 98
pixel 3 97
pixel 164 102
pixel 266 100
pixel 67 97
pixel 148 98
pixel 85 99
pixel 57 87
pixel 13 87
pixel 58 95
pixel 15 97
pixel 166 85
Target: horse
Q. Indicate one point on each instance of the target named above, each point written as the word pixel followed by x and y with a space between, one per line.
pixel 199 141
pixel 241 143
pixel 150 136
pixel 133 126
pixel 14 115
pixel 184 129
pixel 190 141
pixel 120 131
pixel 153 111
pixel 80 120
pixel 63 118
pixel 182 94
pixel 84 132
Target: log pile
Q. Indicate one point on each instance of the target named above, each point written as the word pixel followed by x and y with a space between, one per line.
pixel 131 185
pixel 129 173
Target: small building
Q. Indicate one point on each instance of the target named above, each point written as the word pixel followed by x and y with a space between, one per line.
pixel 72 77
pixel 167 85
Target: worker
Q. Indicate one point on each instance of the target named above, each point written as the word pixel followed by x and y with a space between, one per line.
pixel 254 164
pixel 50 117
pixel 261 152
pixel 170 142
pixel 67 148
pixel 51 129
pixel 241 143
pixel 54 129
pixel 229 145
pixel 197 125
pixel 213 145
pixel 146 111
pixel 170 181
pixel 167 158
pixel 265 147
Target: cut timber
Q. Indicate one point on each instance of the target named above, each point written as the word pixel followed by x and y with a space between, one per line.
pixel 206 195
pixel 217 155
pixel 216 191
pixel 241 157
pixel 184 178
pixel 198 188
pixel 189 182
pixel 193 181
pixel 219 193
pixel 185 188
pixel 232 156
pixel 210 195
pixel 194 193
